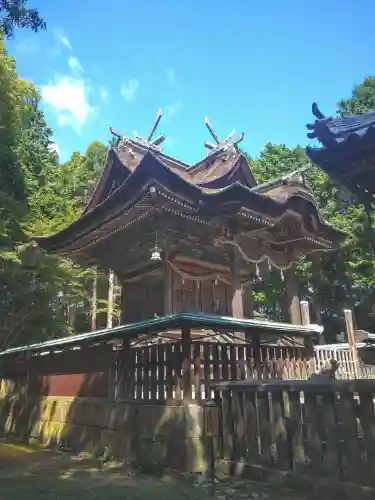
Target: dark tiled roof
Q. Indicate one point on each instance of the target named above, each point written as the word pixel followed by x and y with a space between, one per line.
pixel 347 146
pixel 333 132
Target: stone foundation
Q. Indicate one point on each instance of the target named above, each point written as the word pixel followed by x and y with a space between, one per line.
pixel 168 435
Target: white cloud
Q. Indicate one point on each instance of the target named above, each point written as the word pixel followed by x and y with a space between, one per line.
pixel 75 65
pixel 173 108
pixel 129 89
pixel 103 93
pixel 171 76
pixel 63 39
pixel 67 96
pixel 62 120
pixel 54 147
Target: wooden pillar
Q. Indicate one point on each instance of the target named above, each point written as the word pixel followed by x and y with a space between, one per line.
pixel 257 355
pixel 111 277
pixel 247 299
pixel 305 312
pixel 118 300
pixel 351 339
pixel 237 288
pixel 186 363
pixel 94 299
pixel 292 297
pixel 316 305
pixel 168 286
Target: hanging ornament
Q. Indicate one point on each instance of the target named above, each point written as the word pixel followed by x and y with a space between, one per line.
pixel 156 250
pixel 257 278
pixel 282 276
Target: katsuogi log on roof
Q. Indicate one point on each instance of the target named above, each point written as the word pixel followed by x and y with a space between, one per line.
pixel 215 205
pixel 348 150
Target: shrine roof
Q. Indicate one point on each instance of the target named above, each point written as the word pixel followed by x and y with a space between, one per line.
pixel 155 325
pixel 348 146
pixel 140 185
pixel 218 170
pixel 154 184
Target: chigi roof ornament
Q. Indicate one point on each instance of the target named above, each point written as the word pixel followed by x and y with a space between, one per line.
pixel 149 141
pixel 229 142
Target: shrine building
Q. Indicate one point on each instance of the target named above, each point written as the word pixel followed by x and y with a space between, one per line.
pixel 192 238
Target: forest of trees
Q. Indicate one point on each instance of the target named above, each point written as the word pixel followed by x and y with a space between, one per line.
pixel 42 296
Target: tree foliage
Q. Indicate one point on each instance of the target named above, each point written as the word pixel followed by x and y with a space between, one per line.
pixel 346 277
pixel 16 14
pixel 41 296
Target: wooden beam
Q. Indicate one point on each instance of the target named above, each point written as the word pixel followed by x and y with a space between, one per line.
pixel 209 265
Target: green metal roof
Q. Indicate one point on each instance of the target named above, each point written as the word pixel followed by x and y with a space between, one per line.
pixel 173 321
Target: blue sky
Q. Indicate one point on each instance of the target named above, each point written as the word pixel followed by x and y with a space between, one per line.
pixel 252 65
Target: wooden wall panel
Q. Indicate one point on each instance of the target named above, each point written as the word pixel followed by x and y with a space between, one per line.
pixel 208 297
pixel 178 294
pixel 143 299
pixel 94 385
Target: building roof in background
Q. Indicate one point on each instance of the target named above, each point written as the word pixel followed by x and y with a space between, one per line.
pixel 347 151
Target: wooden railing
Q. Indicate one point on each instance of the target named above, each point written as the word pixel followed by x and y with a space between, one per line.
pixel 350 366
pixel 156 373
pixel 319 429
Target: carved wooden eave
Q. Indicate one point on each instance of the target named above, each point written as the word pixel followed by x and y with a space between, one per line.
pixel 347 154
pixel 268 224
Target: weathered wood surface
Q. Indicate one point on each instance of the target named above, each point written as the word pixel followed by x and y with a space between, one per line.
pixel 323 430
pixel 185 371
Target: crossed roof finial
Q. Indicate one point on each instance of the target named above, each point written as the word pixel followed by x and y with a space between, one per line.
pixel 221 144
pixel 149 141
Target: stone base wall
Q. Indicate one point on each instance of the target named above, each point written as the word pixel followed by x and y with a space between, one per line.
pixel 168 435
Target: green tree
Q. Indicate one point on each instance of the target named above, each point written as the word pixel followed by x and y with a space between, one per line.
pixel 16 14
pixel 362 99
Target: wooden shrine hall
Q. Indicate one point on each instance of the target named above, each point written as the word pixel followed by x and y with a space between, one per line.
pixel 192 238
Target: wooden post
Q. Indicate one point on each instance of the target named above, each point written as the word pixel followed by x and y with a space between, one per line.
pixel 291 283
pixel 94 299
pixel 257 355
pixel 316 262
pixel 186 363
pixel 247 298
pixel 118 299
pixel 237 288
pixel 305 316
pixel 305 312
pixel 110 299
pixel 168 286
pixel 351 339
